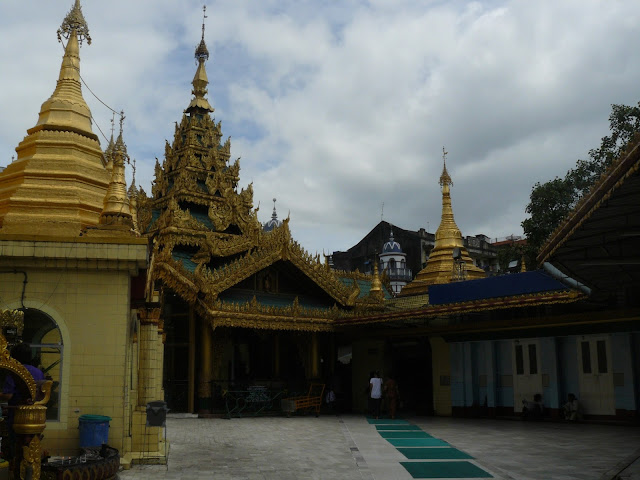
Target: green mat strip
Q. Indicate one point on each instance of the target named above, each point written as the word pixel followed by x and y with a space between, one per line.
pixel 459 469
pixel 417 442
pixel 397 427
pixel 387 421
pixel 408 434
pixel 431 453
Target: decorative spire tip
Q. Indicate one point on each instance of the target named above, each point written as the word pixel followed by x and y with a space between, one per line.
pixel 202 53
pixel 74 24
pixel 445 179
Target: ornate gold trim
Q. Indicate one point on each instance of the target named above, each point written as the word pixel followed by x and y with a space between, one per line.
pixel 31 457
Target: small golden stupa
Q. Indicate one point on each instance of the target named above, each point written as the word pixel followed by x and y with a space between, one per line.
pixel 60 146
pixel 449 260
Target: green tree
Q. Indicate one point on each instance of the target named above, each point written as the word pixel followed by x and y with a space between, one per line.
pixel 550 202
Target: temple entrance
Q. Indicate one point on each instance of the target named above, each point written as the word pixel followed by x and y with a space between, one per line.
pixel 412 368
pixel 237 358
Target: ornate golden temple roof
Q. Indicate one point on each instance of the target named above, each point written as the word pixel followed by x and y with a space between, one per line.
pixel 210 248
pixel 441 265
pixel 61 146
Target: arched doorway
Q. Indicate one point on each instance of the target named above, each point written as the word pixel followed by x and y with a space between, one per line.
pixel 43 336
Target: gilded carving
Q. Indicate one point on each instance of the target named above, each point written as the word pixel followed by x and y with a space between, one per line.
pixel 31 458
pixel 12 319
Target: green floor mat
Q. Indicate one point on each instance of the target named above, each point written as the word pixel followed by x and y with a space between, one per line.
pixel 431 453
pixel 397 427
pixel 387 421
pixel 408 434
pixel 417 442
pixel 460 469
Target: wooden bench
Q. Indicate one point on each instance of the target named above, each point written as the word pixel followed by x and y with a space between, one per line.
pixel 311 402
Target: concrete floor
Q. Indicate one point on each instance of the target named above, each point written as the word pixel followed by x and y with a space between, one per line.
pixel 348 447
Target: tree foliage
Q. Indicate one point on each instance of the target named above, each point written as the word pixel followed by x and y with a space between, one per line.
pixel 550 202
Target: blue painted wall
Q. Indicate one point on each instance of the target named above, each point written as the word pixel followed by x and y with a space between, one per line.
pixel 549 370
pixel 567 367
pixel 477 369
pixel 504 393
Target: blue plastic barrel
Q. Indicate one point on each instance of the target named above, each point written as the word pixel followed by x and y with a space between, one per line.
pixel 94 430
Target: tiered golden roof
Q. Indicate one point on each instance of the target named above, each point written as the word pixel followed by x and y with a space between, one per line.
pixel 208 241
pixel 61 146
pixel 441 264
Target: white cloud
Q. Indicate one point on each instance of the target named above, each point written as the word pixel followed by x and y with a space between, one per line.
pixel 336 107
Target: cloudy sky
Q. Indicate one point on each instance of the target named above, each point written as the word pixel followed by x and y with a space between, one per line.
pixel 336 107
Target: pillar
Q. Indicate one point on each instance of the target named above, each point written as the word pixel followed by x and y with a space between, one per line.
pixel 192 360
pixel 315 358
pixel 148 373
pixel 204 382
pixel 276 355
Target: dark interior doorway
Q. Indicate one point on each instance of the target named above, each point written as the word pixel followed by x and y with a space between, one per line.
pixel 412 368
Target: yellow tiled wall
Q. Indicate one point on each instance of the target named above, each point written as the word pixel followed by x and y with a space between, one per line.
pixel 441 372
pixel 91 306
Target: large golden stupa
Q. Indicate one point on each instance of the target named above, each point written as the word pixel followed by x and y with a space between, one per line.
pixel 449 260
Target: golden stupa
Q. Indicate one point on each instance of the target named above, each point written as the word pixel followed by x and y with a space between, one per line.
pixel 60 146
pixel 449 260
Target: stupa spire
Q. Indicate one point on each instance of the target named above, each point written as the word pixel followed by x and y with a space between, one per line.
pixel 200 79
pixel 448 230
pixel 133 200
pixel 57 184
pixel 116 209
pixel 108 153
pixel 66 107
pixel 449 252
pixel 376 283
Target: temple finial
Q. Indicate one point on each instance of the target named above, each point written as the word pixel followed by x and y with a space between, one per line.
pixel 274 215
pixel 74 22
pixel 200 80
pixel 445 179
pixel 376 284
pixel 132 188
pixel 201 50
pixel 204 16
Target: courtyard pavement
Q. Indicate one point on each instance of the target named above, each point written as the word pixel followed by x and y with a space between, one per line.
pixel 349 447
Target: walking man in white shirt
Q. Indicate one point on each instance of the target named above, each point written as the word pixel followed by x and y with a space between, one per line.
pixel 375 392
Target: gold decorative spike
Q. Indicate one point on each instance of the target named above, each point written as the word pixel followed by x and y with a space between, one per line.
pixel 133 201
pixel 441 264
pixel 108 152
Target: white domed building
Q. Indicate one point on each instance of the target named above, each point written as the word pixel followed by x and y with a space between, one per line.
pixel 273 222
pixel 393 261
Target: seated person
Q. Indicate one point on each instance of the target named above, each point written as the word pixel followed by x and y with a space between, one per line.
pixel 572 409
pixel 533 410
